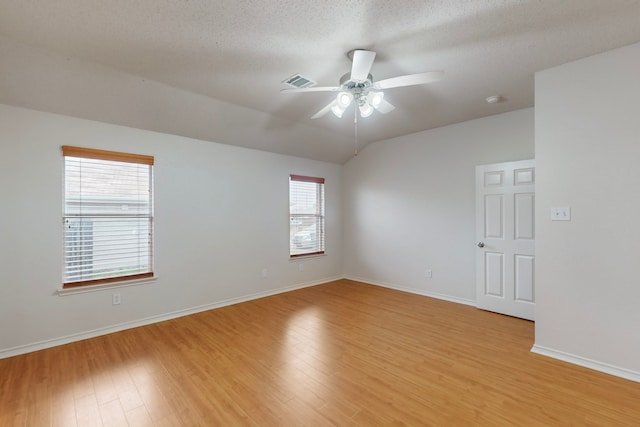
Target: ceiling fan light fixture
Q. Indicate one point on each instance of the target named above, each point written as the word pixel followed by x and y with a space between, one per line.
pixel 344 99
pixel 359 86
pixel 375 98
pixel 365 109
pixel 337 110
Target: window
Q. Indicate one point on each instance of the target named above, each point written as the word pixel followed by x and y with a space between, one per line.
pixel 306 215
pixel 108 216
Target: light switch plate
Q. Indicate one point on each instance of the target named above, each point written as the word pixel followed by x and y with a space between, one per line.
pixel 561 214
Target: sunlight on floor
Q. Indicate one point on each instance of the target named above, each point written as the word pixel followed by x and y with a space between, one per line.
pixel 304 352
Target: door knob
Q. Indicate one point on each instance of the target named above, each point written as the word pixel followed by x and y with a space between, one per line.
pixel 481 244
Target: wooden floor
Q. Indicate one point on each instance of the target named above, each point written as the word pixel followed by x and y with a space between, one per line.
pixel 344 354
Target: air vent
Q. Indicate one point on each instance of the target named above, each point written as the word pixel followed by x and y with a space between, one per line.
pixel 298 81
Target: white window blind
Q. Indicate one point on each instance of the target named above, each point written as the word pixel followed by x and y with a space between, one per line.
pixel 108 216
pixel 306 215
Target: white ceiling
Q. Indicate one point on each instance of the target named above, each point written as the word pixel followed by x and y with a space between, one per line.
pixel 239 51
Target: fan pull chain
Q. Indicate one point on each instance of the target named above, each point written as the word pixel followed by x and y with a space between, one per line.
pixel 355 125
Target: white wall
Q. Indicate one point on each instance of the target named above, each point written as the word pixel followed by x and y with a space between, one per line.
pixel 409 204
pixel 587 156
pixel 221 217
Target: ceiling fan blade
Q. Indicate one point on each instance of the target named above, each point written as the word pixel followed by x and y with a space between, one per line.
pixel 325 110
pixel 362 62
pixel 409 80
pixel 385 107
pixel 312 89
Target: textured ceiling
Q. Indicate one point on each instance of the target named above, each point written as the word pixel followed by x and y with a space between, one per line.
pixel 239 51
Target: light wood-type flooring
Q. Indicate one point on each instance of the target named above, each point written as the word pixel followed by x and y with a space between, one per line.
pixel 342 353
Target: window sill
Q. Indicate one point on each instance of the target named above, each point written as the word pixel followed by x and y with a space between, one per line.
pixel 299 257
pixel 102 287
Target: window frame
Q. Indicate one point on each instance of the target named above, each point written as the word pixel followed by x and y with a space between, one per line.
pixel 319 215
pixel 96 154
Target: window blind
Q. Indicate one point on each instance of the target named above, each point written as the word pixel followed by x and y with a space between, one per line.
pixel 108 216
pixel 306 215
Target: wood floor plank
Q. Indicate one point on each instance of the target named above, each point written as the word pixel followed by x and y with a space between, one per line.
pixel 339 354
pixel 88 411
pixel 139 417
pixel 112 414
pixel 63 407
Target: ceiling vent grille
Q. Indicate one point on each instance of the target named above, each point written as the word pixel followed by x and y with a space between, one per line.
pixel 298 81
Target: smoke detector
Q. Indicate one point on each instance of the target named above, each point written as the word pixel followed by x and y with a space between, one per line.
pixel 494 99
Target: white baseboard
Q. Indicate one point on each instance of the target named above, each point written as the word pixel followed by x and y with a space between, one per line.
pixel 41 345
pixel 587 363
pixel 414 291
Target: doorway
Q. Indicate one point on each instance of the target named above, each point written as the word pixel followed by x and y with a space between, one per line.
pixel 505 238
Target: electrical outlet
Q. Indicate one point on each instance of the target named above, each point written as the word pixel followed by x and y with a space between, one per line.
pixel 301 267
pixel 115 299
pixel 429 273
pixel 265 273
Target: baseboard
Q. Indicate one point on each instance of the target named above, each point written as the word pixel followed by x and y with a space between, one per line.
pixel 413 291
pixel 587 363
pixel 41 345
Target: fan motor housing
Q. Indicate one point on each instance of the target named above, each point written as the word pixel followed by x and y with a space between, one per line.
pixel 347 83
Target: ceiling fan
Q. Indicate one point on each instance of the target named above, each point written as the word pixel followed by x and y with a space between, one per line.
pixel 359 87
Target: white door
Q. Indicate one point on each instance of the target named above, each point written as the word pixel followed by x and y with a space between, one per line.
pixel 505 236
